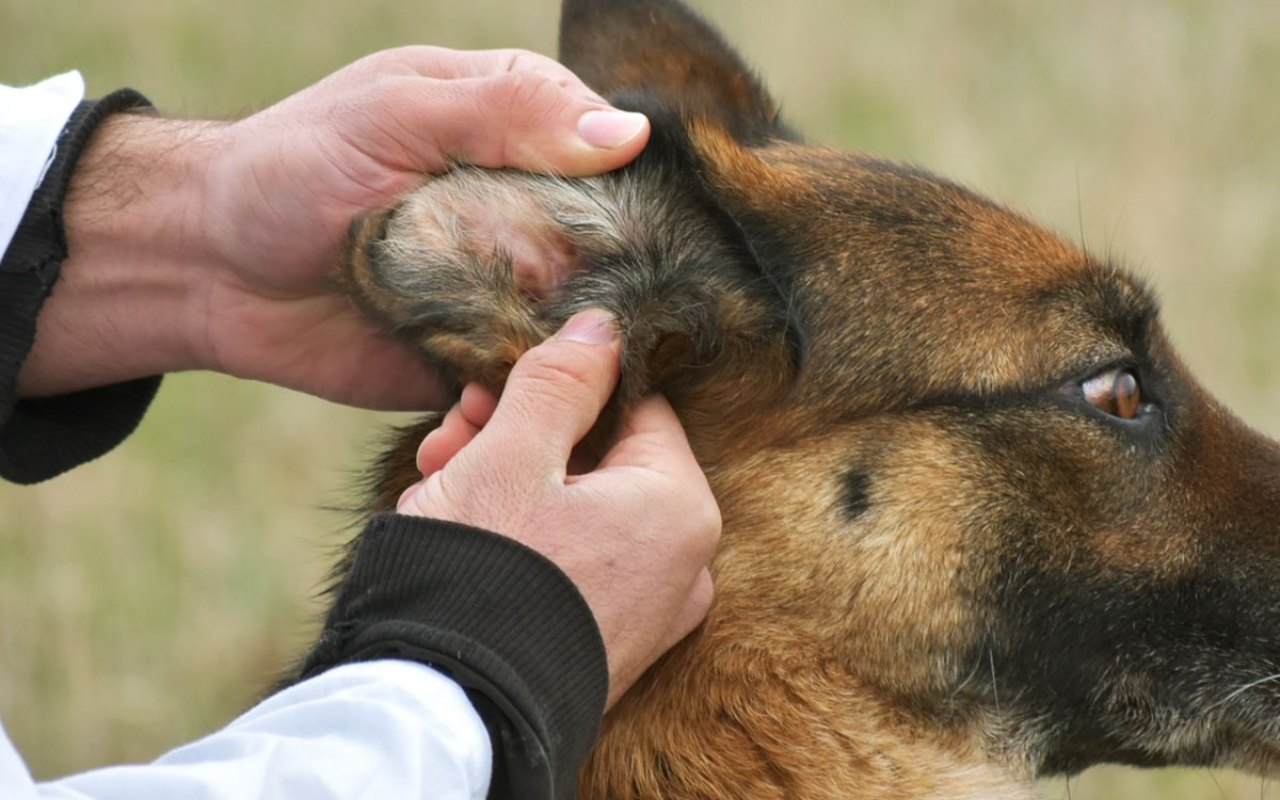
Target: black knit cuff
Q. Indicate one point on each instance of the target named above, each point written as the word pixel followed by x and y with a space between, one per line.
pixel 503 620
pixel 40 438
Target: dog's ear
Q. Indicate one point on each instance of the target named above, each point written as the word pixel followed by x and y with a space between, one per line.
pixel 663 50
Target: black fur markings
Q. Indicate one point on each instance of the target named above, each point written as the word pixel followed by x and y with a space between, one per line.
pixel 855 493
pixel 1160 638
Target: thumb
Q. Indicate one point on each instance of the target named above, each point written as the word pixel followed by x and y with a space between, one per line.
pixel 513 108
pixel 531 122
pixel 555 393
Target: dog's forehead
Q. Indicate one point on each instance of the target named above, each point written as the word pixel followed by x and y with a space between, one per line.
pixel 912 280
pixel 910 221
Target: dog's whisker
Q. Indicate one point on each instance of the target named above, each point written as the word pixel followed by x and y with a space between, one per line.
pixel 1084 244
pixel 995 689
pixel 977 665
pixel 1242 689
pixel 1214 778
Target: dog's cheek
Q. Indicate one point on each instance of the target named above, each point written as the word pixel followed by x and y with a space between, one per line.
pixel 857 549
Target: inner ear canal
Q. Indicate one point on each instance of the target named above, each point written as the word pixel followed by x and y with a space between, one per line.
pixel 671 356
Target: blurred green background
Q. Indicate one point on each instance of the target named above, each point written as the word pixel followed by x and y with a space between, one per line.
pixel 148 597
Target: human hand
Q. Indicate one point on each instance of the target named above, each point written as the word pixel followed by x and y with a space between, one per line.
pixel 297 173
pixel 209 245
pixel 634 531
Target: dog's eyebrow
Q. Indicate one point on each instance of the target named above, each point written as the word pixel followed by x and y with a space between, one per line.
pixel 1127 305
pixel 1109 315
pixel 1102 295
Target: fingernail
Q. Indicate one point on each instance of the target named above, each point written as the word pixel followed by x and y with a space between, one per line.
pixel 593 326
pixel 609 129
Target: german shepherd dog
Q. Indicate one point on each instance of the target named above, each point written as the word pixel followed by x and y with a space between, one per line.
pixel 980 524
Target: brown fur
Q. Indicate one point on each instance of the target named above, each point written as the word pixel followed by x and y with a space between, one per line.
pixel 943 572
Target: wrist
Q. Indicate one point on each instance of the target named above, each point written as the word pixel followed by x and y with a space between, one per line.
pixel 501 619
pixel 127 303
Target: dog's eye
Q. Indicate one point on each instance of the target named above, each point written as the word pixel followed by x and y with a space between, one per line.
pixel 1116 392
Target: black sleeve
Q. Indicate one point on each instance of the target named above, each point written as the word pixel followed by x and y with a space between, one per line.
pixel 43 437
pixel 498 617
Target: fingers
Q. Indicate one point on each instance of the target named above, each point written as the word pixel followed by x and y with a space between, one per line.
pixel 652 439
pixel 555 393
pixel 509 108
pixel 477 404
pixel 650 432
pixel 533 122
pixel 552 398
pixel 458 428
pixel 635 535
pixel 443 443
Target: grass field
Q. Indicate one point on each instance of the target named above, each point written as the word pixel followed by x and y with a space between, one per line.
pixel 148 597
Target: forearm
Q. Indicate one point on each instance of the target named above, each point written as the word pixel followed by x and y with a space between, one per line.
pixel 41 436
pixel 128 302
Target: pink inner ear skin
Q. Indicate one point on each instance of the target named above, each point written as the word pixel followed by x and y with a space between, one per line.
pixel 541 260
pixel 487 216
pixel 542 257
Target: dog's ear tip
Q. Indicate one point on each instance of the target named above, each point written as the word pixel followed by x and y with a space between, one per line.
pixel 664 49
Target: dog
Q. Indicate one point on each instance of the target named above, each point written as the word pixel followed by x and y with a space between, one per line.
pixel 980 523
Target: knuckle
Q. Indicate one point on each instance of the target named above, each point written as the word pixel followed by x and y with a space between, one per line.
pixel 529 103
pixel 699 513
pixel 709 521
pixel 702 591
pixel 529 99
pixel 520 60
pixel 553 72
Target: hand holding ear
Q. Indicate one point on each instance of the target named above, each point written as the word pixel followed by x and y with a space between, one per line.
pixel 208 245
pixel 634 532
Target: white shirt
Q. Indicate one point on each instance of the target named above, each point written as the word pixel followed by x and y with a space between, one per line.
pixel 380 729
pixel 30 120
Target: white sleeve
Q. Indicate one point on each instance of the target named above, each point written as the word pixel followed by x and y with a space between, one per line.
pixel 30 120
pixel 373 729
